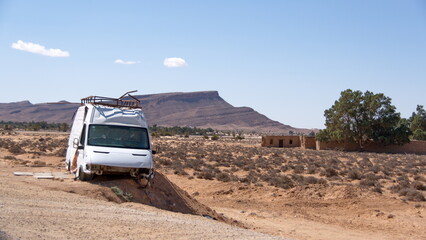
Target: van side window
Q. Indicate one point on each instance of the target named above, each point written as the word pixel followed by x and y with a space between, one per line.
pixel 83 135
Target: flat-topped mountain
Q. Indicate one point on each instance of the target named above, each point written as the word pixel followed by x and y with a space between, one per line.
pixel 195 109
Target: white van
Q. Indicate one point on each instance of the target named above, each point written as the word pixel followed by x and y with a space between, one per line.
pixel 110 136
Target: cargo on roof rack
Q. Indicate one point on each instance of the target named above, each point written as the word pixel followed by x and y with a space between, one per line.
pixel 113 102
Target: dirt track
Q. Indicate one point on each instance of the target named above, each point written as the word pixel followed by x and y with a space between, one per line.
pixel 32 209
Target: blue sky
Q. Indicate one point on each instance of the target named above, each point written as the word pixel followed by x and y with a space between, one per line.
pixel 289 60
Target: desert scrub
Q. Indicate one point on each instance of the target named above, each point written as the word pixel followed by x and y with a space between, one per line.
pixel 298 169
pixel 312 169
pixel 10 158
pixel 5 143
pixel 223 177
pixel 420 178
pixel 121 194
pixel 195 164
pixel 411 194
pixel 38 163
pixel 329 172
pixel 370 182
pixel 313 180
pixel 282 182
pixel 215 137
pixel 16 149
pixel 255 165
pixel 418 185
pixel 180 171
pixel 205 174
pixel 163 162
pixel 251 177
pixel 354 174
pixel 407 189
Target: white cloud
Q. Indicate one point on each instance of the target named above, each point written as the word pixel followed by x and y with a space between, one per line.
pixel 119 61
pixel 175 62
pixel 39 49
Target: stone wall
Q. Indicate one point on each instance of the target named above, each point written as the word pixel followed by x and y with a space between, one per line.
pixel 340 146
pixel 414 147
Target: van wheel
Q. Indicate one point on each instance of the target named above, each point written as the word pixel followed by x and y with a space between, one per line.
pixel 84 176
pixel 142 181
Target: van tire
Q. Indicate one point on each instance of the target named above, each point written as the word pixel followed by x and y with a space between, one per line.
pixel 82 176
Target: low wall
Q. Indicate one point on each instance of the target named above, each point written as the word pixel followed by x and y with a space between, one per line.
pixel 307 142
pixel 415 147
pixel 341 146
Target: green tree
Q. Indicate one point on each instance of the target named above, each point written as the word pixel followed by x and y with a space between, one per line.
pixel 63 127
pixel 215 137
pixel 418 123
pixel 35 127
pixel 8 127
pixel 323 135
pixel 419 135
pixel 361 117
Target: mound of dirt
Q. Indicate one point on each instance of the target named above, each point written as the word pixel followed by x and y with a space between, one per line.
pixel 162 194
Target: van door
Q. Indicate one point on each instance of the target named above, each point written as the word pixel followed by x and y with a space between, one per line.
pixel 76 129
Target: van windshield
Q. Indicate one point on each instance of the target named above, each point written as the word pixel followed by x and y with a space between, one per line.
pixel 118 136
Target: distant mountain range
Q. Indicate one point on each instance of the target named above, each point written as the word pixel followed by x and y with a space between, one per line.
pixel 195 109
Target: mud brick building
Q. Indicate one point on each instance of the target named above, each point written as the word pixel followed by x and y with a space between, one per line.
pixel 304 142
pixel 289 141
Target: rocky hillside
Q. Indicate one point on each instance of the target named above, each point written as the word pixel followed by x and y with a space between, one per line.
pixel 195 109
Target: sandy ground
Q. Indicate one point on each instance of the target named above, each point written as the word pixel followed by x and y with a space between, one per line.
pixel 66 209
pixel 40 209
pixel 342 213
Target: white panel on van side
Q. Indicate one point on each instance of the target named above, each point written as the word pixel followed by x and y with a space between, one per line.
pixel 76 129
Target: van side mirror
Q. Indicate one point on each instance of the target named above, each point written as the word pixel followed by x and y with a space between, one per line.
pixel 80 147
pixel 154 152
pixel 75 142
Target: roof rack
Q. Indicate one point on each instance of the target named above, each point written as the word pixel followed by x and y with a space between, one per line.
pixel 114 102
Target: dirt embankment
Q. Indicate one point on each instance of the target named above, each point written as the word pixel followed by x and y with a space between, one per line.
pixel 161 193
